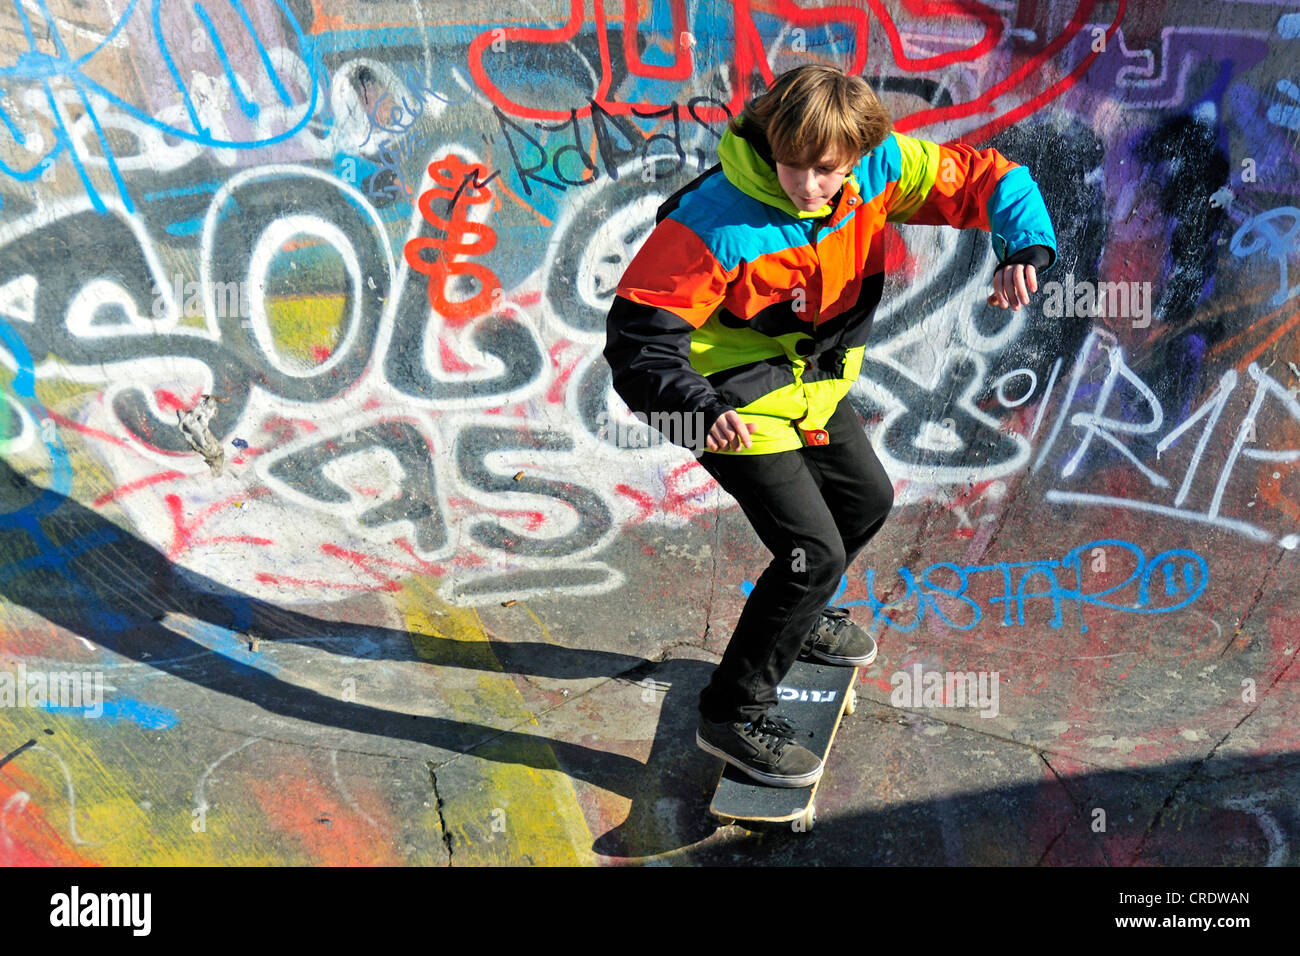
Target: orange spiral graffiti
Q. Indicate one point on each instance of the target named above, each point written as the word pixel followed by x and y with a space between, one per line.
pixel 463 186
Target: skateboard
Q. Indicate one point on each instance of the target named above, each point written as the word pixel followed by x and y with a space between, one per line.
pixel 815 697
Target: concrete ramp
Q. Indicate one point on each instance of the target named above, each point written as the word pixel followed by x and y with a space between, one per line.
pixel 324 539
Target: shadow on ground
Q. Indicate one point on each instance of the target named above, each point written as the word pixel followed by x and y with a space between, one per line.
pixel 81 572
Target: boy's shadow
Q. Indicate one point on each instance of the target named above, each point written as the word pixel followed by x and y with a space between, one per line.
pixel 90 577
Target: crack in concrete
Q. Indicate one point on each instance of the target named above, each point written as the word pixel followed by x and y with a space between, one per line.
pixel 1078 812
pixel 1199 764
pixel 1196 767
pixel 1276 680
pixel 1173 793
pixel 1041 753
pixel 442 821
pixel 1043 756
pixel 927 715
pixel 881 708
pixel 1254 602
pixel 713 577
pixel 1192 773
pixel 324 748
pixel 636 669
pixel 1081 812
pixel 1007 505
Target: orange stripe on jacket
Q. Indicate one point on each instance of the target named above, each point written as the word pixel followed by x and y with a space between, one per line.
pixel 963 186
pixel 675 271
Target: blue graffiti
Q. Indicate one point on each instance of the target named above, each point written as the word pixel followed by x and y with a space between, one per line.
pixel 52 557
pixel 1286 115
pixel 128 709
pixel 1262 232
pixel 37 67
pixel 1179 573
pixel 24 385
pixel 231 643
pixel 58 558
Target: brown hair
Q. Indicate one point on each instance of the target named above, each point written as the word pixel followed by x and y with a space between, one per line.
pixel 814 110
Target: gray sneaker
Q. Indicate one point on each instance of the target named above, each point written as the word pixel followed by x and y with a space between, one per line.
pixel 835 639
pixel 763 748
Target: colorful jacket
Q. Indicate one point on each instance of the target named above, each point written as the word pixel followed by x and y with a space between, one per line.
pixel 738 300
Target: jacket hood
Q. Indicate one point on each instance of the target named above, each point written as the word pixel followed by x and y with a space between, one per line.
pixel 753 176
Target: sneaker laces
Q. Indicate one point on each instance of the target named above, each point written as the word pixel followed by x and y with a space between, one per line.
pixel 836 618
pixel 773 732
pixel 833 619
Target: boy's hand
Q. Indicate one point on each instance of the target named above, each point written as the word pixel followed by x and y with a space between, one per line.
pixel 729 432
pixel 1012 285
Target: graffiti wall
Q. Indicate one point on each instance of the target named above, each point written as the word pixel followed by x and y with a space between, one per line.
pixel 308 297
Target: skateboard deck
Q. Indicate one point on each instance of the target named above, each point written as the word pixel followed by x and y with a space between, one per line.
pixel 815 697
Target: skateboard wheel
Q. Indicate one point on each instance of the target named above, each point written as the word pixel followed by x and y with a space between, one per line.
pixel 725 821
pixel 852 703
pixel 809 817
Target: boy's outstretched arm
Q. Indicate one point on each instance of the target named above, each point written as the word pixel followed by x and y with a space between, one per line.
pixel 957 185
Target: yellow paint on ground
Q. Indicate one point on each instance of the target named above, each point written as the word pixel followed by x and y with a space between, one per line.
pixel 514 813
pixel 307 327
pixel 123 812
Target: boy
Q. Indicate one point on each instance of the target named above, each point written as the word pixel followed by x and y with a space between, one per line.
pixel 749 307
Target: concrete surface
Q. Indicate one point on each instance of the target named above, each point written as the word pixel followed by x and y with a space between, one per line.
pixel 428 608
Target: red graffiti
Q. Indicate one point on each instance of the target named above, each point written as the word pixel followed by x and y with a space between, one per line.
pixel 155 479
pixel 947 14
pixel 644 502
pixel 357 562
pixel 750 55
pixel 533 520
pixel 681 67
pixel 555 394
pixel 170 402
pixel 78 427
pixel 1008 100
pixel 1027 72
pixel 452 362
pixel 684 503
pixel 284 430
pixel 184 531
pixel 462 186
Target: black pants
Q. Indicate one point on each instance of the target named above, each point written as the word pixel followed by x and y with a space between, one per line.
pixel 814 508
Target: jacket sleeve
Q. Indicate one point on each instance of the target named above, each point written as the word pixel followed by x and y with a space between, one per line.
pixel 670 288
pixel 957 185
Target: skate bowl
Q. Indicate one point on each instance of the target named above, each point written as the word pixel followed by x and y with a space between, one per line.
pixel 324 539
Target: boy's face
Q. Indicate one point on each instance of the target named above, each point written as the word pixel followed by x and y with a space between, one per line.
pixel 810 189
